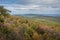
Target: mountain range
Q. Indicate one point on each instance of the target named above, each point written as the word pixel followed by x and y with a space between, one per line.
pixel 53 15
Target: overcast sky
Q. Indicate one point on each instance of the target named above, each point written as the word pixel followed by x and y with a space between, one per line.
pixel 32 6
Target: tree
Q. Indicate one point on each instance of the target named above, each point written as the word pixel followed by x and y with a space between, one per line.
pixel 4 11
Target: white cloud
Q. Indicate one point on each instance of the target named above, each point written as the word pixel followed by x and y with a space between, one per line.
pixel 22 7
pixel 32 8
pixel 48 1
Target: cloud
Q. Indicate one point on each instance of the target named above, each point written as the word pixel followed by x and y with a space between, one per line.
pixel 32 6
pixel 27 2
pixel 49 2
pixel 22 7
pixel 34 9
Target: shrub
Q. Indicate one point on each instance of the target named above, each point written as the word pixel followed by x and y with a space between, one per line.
pixel 6 33
pixel 1 19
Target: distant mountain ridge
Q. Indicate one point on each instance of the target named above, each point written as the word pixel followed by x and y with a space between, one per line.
pixel 53 15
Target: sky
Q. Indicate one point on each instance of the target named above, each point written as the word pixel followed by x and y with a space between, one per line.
pixel 32 6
